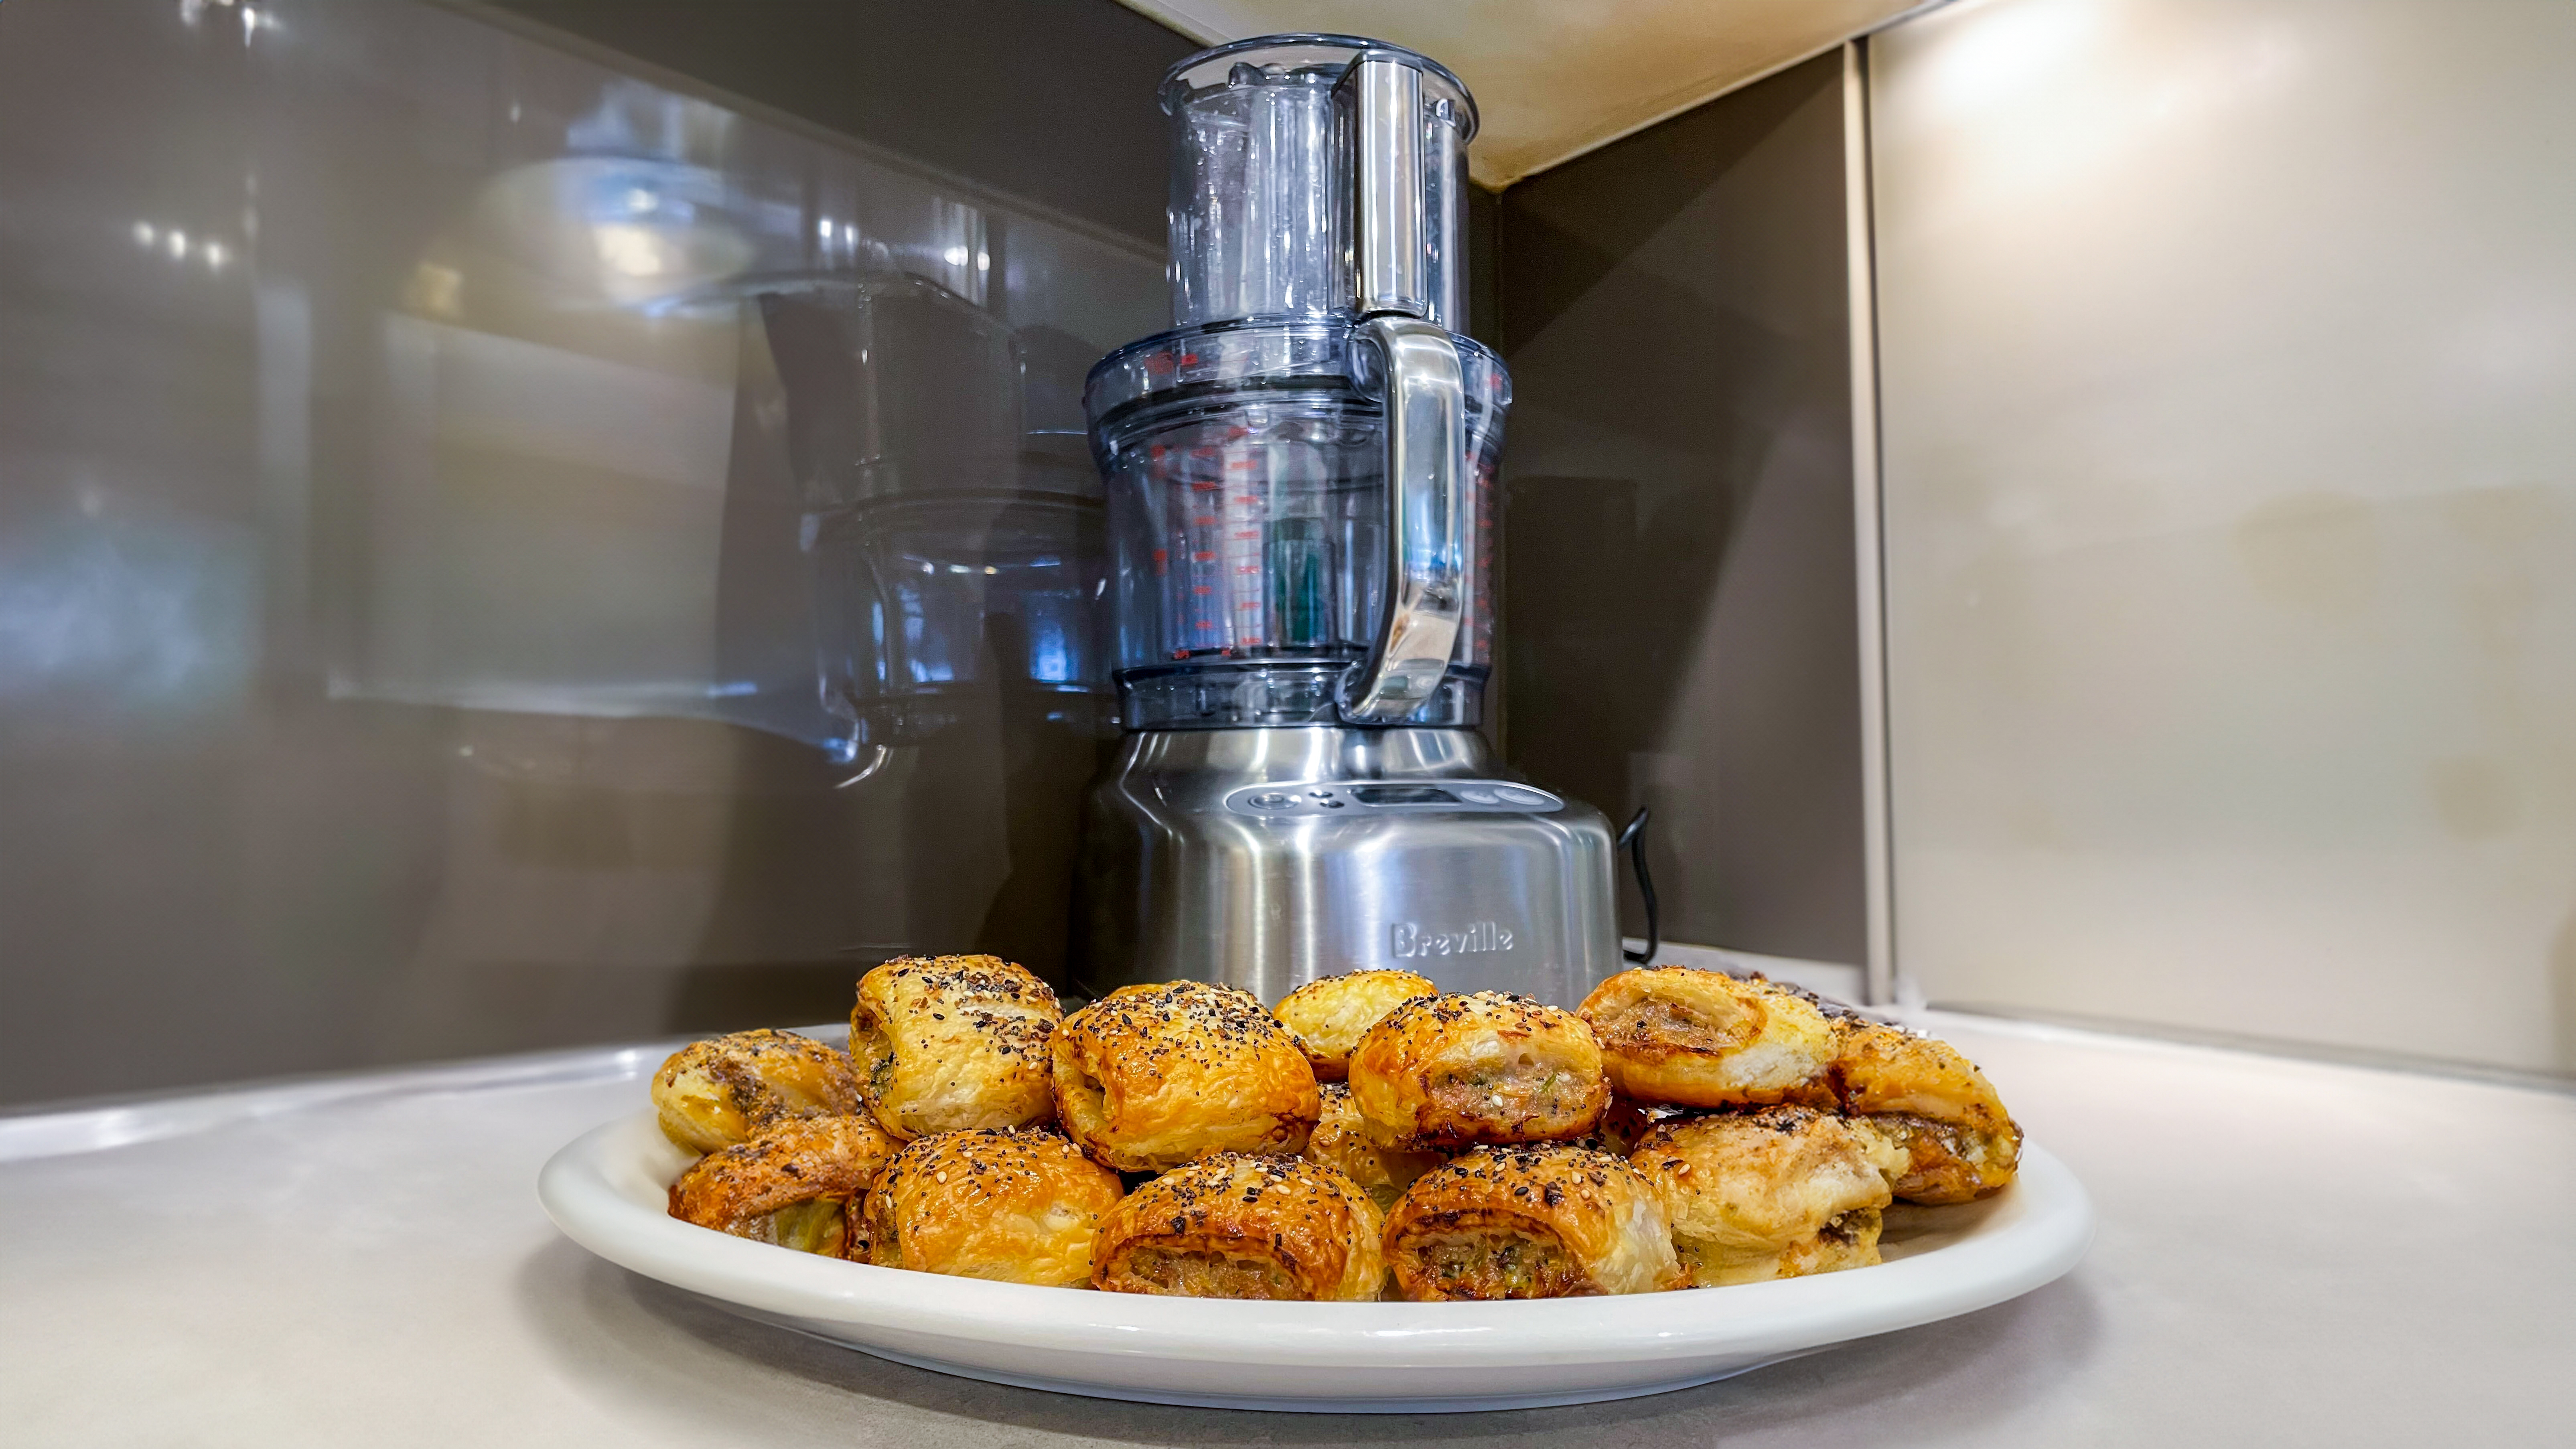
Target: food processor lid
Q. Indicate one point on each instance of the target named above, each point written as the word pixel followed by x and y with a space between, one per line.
pixel 1316 55
pixel 1262 354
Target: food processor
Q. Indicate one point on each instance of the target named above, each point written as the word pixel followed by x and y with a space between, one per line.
pixel 1300 479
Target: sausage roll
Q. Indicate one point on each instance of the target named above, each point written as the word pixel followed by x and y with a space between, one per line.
pixel 718 1092
pixel 1352 1146
pixel 950 1043
pixel 1706 1039
pixel 1934 1105
pixel 1147 1079
pixel 1020 1207
pixel 1452 1071
pixel 1236 1226
pixel 1778 1193
pixel 1530 1222
pixel 1331 1013
pixel 793 1184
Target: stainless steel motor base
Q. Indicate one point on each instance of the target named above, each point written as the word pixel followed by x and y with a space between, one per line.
pixel 1265 858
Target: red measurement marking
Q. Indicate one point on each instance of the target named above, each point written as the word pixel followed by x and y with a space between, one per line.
pixel 1184 653
pixel 1204 556
pixel 1203 589
pixel 1203 520
pixel 1248 500
pixel 1244 532
pixel 1240 462
pixel 1249 604
pixel 1247 569
pixel 1162 555
pixel 1189 359
pixel 1203 487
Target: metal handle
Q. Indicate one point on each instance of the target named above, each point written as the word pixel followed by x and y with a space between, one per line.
pixel 1426 525
pixel 1426 396
pixel 1385 117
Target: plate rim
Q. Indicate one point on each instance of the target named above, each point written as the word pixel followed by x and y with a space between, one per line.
pixel 2030 1235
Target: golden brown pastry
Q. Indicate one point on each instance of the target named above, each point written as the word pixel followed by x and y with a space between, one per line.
pixel 1777 1193
pixel 1934 1105
pixel 1452 1071
pixel 948 1043
pixel 1706 1039
pixel 1530 1222
pixel 718 1092
pixel 1018 1207
pixel 1363 1152
pixel 1147 1079
pixel 1331 1013
pixel 793 1184
pixel 1238 1226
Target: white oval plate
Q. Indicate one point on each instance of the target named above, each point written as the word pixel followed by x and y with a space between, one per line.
pixel 607 1191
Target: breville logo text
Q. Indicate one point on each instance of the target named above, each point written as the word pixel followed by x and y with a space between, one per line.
pixel 1480 938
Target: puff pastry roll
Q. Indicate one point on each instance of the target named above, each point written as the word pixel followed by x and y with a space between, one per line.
pixel 1147 1078
pixel 1778 1193
pixel 949 1043
pixel 1452 1071
pixel 1239 1226
pixel 793 1184
pixel 1530 1222
pixel 1019 1207
pixel 1934 1105
pixel 1351 1145
pixel 1706 1039
pixel 1331 1013
pixel 718 1092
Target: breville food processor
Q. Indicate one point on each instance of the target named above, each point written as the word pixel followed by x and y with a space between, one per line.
pixel 1301 491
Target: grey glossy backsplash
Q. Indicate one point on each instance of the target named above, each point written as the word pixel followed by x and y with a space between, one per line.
pixel 438 461
pixel 1678 587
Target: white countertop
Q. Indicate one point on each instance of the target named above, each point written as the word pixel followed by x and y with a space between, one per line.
pixel 2290 1253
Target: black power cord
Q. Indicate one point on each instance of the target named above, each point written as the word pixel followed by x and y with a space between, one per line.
pixel 1633 841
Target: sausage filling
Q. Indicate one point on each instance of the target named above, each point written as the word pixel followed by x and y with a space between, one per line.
pixel 1853 1228
pixel 817 1225
pixel 1201 1273
pixel 874 1049
pixel 1523 1091
pixel 885 1235
pixel 1945 1162
pixel 1502 1262
pixel 1657 1026
pixel 1086 1105
pixel 1848 1240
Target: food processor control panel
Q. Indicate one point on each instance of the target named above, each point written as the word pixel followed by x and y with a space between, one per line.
pixel 1344 799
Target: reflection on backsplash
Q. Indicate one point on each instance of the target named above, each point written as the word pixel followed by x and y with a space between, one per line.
pixel 497 552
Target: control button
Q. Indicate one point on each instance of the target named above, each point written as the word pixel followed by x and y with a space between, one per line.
pixel 1511 796
pixel 1332 804
pixel 1477 797
pixel 1271 802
